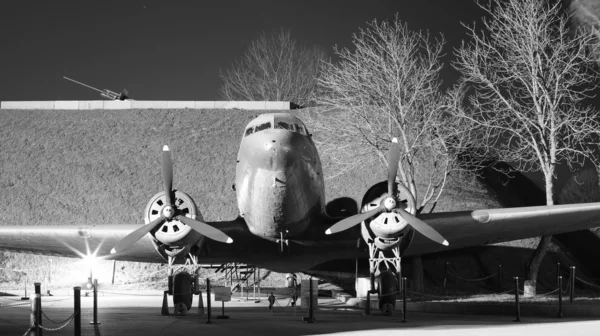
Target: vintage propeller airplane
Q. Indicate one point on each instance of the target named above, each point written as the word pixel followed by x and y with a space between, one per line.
pixel 284 223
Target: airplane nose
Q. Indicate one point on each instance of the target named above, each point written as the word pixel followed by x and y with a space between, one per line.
pixel 274 152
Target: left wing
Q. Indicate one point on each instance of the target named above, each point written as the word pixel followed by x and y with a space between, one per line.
pixel 77 241
pixel 482 227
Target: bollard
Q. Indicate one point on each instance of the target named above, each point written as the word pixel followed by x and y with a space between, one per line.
pixel 208 302
pixel 200 303
pixel 95 321
pixel 311 317
pixel 560 314
pixel 500 275
pixel 165 305
pixel 572 287
pixel 404 300
pixel 38 306
pixel 77 318
pixel 368 303
pixel 518 310
pixel 445 275
pixel 32 319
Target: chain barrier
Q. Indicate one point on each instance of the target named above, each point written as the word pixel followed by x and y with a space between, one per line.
pixel 28 330
pixel 546 294
pixel 567 288
pixel 62 326
pixel 465 279
pixel 51 320
pixel 587 283
pixel 15 305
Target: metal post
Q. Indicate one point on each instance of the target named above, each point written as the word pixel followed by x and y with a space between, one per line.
pixel 311 317
pixel 518 308
pixel 259 283
pixel 572 290
pixel 560 314
pixel 50 274
pixel 404 300
pixel 445 275
pixel 77 318
pixel 368 304
pixel 25 286
pixel 208 301
pixel 500 276
pixel 95 303
pixel 557 272
pixel 38 308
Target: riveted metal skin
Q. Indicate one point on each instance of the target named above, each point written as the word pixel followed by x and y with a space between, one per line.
pixel 279 184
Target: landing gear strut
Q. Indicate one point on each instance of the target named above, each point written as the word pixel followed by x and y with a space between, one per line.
pixel 385 266
pixel 182 285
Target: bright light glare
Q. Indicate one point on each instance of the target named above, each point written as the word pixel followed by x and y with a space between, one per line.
pixel 90 260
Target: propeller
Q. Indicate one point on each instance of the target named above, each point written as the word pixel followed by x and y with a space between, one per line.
pixel 390 204
pixel 169 212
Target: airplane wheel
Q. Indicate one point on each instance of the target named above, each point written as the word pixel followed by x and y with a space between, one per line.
pixel 182 289
pixel 387 292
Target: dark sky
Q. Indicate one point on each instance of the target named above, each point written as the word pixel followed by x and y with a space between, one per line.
pixel 173 50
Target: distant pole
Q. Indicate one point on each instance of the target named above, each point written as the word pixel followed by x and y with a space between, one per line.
pixel 560 314
pixel 572 291
pixel 404 312
pixel 114 271
pixel 95 303
pixel 311 317
pixel 50 273
pixel 25 286
pixel 518 308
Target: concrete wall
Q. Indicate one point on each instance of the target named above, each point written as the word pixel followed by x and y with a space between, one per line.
pixel 141 104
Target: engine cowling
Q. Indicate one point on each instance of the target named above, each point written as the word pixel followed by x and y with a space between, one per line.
pixel 173 237
pixel 388 229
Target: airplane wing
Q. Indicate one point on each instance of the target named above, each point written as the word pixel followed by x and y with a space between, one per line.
pixel 76 241
pixel 482 227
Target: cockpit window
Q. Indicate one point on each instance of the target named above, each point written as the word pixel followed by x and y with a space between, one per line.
pixel 264 126
pixel 284 125
pixel 300 129
pixel 249 131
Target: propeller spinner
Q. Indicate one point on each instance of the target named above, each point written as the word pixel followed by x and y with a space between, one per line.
pixel 390 204
pixel 170 212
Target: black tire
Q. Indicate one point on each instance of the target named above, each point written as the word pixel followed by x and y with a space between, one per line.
pixel 388 288
pixel 182 289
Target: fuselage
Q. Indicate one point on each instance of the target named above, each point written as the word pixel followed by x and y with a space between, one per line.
pixel 279 177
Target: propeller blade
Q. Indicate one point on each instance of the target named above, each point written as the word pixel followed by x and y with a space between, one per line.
pixel 136 235
pixel 205 229
pixel 167 172
pixel 423 228
pixel 393 159
pixel 351 221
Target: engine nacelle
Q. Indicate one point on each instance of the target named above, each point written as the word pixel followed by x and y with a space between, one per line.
pixel 388 229
pixel 173 237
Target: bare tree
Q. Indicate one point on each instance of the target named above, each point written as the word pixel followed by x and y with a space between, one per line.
pixel 387 86
pixel 583 187
pixel 274 68
pixel 529 75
